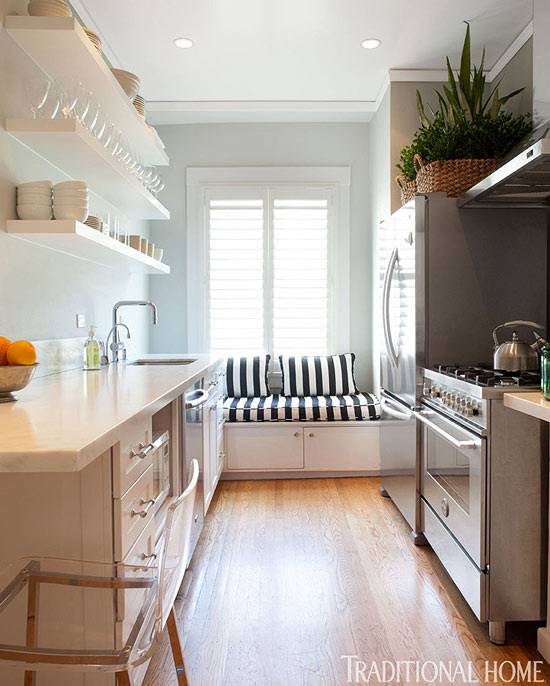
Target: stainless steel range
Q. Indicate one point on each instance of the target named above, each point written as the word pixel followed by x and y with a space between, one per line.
pixel 484 491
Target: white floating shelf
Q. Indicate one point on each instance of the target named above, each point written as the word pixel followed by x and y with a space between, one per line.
pixel 68 145
pixel 81 241
pixel 62 50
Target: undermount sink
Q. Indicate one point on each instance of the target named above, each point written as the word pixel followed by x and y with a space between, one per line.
pixel 165 361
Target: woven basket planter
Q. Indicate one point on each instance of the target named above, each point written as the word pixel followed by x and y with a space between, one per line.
pixel 408 189
pixel 453 177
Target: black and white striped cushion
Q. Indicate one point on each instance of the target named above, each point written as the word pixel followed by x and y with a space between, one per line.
pixel 276 408
pixel 246 377
pixel 326 375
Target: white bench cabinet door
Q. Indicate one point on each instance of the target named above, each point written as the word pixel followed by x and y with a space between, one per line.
pixel 346 448
pixel 264 447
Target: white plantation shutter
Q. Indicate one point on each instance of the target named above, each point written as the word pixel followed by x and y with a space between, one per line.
pixel 268 252
pixel 300 276
pixel 236 275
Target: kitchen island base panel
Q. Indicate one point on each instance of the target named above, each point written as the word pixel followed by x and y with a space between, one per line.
pixel 66 515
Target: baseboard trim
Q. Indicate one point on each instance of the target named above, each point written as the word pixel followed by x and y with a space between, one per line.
pixel 250 476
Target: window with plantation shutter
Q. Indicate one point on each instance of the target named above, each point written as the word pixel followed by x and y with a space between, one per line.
pixel 268 264
pixel 236 276
pixel 300 276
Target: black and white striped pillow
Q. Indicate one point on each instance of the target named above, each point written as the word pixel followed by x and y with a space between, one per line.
pixel 326 375
pixel 246 377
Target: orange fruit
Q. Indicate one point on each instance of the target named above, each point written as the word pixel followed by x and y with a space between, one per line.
pixel 4 345
pixel 21 352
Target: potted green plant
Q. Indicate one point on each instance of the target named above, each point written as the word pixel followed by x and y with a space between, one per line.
pixel 460 143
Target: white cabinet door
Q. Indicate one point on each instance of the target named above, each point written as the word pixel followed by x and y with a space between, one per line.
pixel 264 447
pixel 348 448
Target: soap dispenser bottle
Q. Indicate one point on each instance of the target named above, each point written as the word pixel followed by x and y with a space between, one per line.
pixel 92 353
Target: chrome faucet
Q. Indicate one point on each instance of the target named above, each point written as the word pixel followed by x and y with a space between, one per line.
pixel 117 346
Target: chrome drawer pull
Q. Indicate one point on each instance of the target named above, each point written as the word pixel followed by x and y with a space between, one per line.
pixel 445 507
pixel 143 451
pixel 143 513
pixel 152 556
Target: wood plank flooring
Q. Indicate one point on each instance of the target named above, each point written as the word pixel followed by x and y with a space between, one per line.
pixel 291 575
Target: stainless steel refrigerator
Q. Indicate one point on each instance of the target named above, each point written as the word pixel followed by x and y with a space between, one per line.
pixel 448 276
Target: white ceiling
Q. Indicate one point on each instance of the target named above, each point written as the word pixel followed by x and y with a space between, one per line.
pixel 292 50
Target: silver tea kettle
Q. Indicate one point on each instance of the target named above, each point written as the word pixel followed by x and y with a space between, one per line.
pixel 515 355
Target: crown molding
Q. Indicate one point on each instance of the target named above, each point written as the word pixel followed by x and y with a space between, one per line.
pixel 227 111
pixel 510 52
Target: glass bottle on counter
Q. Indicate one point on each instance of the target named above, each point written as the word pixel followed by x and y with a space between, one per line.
pixel 545 372
pixel 91 355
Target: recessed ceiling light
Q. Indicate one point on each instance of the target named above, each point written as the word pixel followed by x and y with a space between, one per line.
pixel 183 42
pixel 370 43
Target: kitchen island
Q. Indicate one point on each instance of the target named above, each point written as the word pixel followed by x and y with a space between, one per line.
pixel 81 477
pixel 535 405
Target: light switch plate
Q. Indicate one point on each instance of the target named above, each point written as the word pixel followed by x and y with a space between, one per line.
pixel 80 321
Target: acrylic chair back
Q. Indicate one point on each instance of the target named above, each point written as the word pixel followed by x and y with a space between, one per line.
pixel 177 543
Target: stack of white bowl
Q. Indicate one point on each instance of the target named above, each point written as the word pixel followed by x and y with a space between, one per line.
pixel 49 8
pixel 70 200
pixel 128 81
pixel 95 40
pixel 34 200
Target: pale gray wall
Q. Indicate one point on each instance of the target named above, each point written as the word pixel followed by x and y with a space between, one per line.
pixel 262 145
pixel 40 290
pixel 379 207
pixel 518 73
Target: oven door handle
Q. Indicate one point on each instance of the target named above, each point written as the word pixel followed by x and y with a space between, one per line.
pixel 421 416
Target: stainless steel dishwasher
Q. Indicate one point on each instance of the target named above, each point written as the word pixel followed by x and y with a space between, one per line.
pixel 193 447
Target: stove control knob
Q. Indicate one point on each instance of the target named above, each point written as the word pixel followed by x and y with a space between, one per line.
pixel 469 409
pixel 435 392
pixel 426 390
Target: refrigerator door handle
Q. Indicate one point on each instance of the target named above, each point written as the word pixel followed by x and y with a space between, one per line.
pixel 392 408
pixel 394 359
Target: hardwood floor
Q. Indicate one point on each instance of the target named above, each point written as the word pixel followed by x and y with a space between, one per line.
pixel 291 575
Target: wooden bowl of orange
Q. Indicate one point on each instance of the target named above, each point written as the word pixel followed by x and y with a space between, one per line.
pixel 17 367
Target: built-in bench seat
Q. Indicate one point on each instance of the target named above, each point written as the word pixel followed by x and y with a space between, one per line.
pixel 318 424
pixel 274 408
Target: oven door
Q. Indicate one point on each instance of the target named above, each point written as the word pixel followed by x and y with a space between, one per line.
pixel 453 479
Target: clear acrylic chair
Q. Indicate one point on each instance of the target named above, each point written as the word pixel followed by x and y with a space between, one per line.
pixel 62 614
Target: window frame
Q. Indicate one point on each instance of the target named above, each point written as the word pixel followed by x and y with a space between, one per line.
pixel 201 182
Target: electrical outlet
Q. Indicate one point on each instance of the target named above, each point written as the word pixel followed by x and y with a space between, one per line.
pixel 80 321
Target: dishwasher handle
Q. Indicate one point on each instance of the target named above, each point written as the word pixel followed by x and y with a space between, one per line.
pixel 196 399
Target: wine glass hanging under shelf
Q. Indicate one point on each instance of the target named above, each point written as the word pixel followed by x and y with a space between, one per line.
pixel 49 100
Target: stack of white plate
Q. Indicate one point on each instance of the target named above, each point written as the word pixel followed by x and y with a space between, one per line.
pixel 34 200
pixel 49 8
pixel 139 104
pixel 128 81
pixel 70 200
pixel 95 40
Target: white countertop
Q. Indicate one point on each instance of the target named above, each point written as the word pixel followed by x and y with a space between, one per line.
pixel 533 404
pixel 65 421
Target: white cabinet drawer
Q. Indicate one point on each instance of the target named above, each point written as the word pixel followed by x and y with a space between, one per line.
pixel 339 449
pixel 264 447
pixel 130 601
pixel 128 466
pixel 132 513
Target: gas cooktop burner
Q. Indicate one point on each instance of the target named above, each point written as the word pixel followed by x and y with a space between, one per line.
pixel 485 375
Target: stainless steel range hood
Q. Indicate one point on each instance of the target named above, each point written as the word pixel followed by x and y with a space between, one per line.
pixel 524 180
